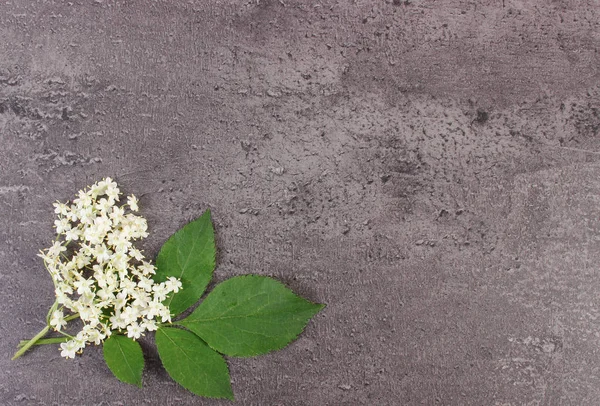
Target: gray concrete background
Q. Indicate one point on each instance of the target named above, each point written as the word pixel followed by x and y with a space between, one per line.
pixel 429 169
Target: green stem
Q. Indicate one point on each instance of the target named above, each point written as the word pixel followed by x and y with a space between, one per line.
pixel 31 342
pixel 43 341
pixel 72 317
pixel 24 345
pixel 52 309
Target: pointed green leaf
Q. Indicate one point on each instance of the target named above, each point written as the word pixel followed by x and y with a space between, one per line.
pixel 124 358
pixel 193 364
pixel 250 315
pixel 189 255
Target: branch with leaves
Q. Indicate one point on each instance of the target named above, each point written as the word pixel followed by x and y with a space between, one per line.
pixel 101 279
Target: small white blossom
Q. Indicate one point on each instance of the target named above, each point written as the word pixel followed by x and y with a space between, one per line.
pixel 93 335
pixel 119 261
pixel 103 205
pixel 134 331
pixel 72 235
pixel 102 253
pixel 62 225
pixel 85 214
pixel 165 315
pixel 117 215
pixel 83 286
pixel 135 253
pixel 173 284
pixel 149 325
pixel 56 249
pixel 121 300
pixel 160 291
pixel 128 286
pixel 58 320
pixel 154 308
pixel 112 192
pixel 80 340
pixel 132 202
pixel 69 349
pixel 147 268
pixel 61 209
pixel 129 314
pixel 117 322
pixel 145 283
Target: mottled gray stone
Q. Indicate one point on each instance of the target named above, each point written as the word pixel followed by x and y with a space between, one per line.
pixel 428 169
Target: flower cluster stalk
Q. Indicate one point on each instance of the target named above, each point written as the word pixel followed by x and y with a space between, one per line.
pixel 28 344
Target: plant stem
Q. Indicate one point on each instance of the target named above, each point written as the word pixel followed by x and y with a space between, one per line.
pixel 38 340
pixel 31 342
pixel 52 309
pixel 72 317
pixel 43 341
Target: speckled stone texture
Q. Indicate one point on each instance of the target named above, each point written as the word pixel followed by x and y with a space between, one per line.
pixel 429 169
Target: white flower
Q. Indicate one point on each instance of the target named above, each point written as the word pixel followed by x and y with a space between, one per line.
pixel 104 205
pixel 113 192
pixel 134 331
pixel 117 322
pixel 102 277
pixel 106 296
pixel 135 253
pixel 56 249
pixel 90 313
pixel 128 286
pixel 165 315
pixel 84 199
pixel 129 314
pixel 173 284
pixel 147 268
pixel 154 308
pixel 122 244
pixel 62 225
pixel 61 208
pixel 132 202
pixel 119 261
pixel 103 225
pixel 117 215
pixel 145 284
pixel 72 235
pixel 69 349
pixel 160 291
pixel 85 214
pixel 121 300
pixel 149 325
pixel 102 253
pixel 80 339
pixel 93 335
pixel 98 189
pixel 58 320
pixel 83 286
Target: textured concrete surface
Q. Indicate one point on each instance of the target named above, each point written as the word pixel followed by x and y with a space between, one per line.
pixel 429 169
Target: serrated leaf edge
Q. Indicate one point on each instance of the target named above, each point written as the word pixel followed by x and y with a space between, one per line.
pixel 232 398
pixel 138 384
pixel 321 306
pixel 169 299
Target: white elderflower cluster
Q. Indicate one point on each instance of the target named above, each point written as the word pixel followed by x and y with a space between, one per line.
pixel 98 274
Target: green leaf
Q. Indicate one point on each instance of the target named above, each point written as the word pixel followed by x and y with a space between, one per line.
pixel 125 359
pixel 250 315
pixel 189 255
pixel 193 364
